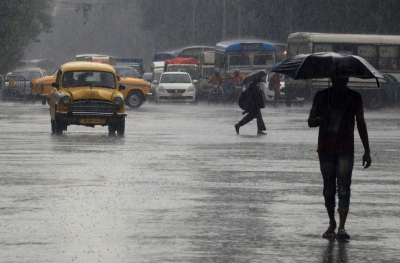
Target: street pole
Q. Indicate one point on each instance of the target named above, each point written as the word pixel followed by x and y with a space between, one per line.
pixel 223 22
pixel 193 22
pixel 239 19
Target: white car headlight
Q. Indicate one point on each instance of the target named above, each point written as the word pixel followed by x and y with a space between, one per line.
pixel 66 100
pixel 191 89
pixel 118 101
pixel 161 89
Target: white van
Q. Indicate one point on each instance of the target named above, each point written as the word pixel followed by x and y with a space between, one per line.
pixel 157 65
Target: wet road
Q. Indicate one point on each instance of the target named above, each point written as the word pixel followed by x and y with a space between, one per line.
pixel 181 186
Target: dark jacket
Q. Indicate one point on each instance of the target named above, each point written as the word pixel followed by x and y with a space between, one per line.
pixel 251 98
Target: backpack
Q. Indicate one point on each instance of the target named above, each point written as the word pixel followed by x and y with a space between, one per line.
pixel 248 100
pixel 245 100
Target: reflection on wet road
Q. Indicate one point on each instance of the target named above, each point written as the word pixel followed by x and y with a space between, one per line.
pixel 181 186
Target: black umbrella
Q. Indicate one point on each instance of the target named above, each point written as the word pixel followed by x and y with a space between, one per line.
pixel 327 65
pixel 255 75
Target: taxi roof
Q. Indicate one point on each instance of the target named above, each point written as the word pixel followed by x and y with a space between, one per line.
pixel 86 65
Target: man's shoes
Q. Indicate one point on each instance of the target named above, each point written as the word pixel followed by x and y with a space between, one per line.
pixel 342 235
pixel 237 128
pixel 261 133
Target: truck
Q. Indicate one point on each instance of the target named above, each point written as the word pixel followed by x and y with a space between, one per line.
pixel 136 63
pixel 97 58
pixel 189 65
pixel 206 70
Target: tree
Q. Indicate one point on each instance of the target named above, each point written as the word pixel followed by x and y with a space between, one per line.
pixel 21 21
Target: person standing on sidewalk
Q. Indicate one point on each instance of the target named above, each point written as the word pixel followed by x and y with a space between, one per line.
pixel 252 103
pixel 334 111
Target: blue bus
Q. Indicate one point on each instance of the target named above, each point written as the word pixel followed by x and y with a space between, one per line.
pixel 245 55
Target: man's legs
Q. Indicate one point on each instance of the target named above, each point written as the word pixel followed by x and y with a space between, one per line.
pixel 260 123
pixel 344 174
pixel 328 171
pixel 249 117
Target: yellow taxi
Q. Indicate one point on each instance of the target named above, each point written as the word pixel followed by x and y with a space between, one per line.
pixel 41 87
pixel 136 91
pixel 88 94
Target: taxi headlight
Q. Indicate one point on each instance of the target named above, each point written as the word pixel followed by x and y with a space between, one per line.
pixel 118 101
pixel 66 100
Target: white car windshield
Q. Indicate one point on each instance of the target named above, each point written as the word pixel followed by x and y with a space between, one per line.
pixel 175 78
pixel 28 75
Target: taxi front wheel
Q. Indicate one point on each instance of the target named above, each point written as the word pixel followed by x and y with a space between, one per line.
pixel 134 99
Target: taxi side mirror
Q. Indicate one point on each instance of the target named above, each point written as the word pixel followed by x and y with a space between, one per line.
pixel 121 87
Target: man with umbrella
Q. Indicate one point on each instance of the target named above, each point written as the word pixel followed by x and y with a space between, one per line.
pixel 334 111
pixel 251 101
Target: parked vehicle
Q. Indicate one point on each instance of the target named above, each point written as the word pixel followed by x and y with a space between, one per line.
pixel 189 65
pixel 206 70
pixel 136 91
pixel 47 65
pixel 381 51
pixel 88 94
pixel 97 58
pixel 41 87
pixel 136 63
pixel 157 65
pixel 194 51
pixel 126 71
pixel 18 84
pixel 246 55
pixel 147 76
pixel 175 87
pixel 164 55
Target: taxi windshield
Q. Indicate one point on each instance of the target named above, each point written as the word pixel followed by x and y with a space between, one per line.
pixel 89 78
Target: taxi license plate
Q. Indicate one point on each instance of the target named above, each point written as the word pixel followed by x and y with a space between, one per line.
pixel 176 95
pixel 92 121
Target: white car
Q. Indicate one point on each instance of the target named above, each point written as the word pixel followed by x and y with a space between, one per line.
pixel 175 87
pixel 269 92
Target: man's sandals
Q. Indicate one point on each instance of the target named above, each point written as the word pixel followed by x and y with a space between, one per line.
pixel 342 235
pixel 330 232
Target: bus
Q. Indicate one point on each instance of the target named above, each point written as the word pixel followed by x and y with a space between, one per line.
pixel 165 55
pixel 281 51
pixel 245 55
pixel 194 51
pixel 382 51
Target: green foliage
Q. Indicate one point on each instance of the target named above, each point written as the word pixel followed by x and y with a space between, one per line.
pixel 21 21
